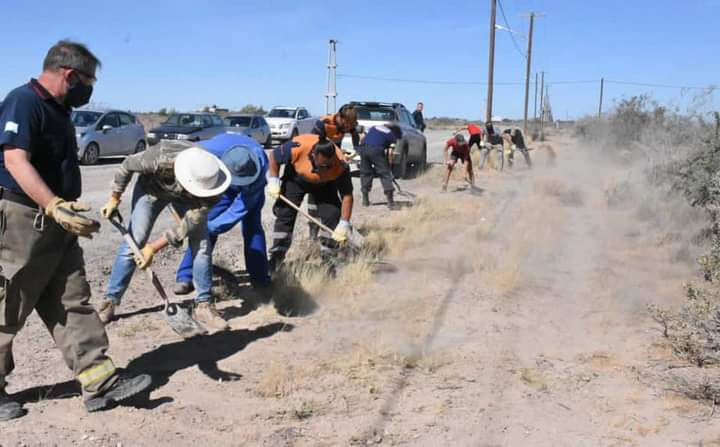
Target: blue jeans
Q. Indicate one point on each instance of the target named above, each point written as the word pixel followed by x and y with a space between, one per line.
pixel 145 210
pixel 254 247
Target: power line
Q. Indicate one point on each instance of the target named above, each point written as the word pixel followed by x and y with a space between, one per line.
pixel 423 81
pixel 685 87
pixel 512 35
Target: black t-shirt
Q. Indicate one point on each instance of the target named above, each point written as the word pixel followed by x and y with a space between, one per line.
pixel 31 119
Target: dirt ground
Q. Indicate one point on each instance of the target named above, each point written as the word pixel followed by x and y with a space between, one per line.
pixel 512 316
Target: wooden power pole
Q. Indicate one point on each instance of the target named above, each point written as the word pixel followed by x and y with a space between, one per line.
pixel 527 72
pixel 602 87
pixel 491 61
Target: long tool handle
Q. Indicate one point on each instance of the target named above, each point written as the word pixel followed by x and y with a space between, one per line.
pixel 136 251
pixel 304 213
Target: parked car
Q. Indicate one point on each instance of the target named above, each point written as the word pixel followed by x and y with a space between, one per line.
pixel 107 133
pixel 410 155
pixel 289 122
pixel 187 126
pixel 254 126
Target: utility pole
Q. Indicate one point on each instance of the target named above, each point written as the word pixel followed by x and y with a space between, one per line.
pixel 542 104
pixel 331 85
pixel 535 103
pixel 527 72
pixel 491 61
pixel 602 87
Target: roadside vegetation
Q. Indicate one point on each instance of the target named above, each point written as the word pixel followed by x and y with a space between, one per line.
pixel 676 157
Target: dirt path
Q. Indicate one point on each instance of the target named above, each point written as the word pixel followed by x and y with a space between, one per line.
pixel 512 317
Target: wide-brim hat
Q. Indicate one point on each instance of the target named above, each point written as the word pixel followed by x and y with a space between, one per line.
pixel 243 163
pixel 201 173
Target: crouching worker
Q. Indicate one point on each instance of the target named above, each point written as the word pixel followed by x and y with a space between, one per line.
pixel 242 202
pixel 317 168
pixel 375 153
pixel 41 262
pixel 515 140
pixel 191 180
pixel 456 149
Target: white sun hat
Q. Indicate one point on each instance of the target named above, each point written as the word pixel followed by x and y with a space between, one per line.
pixel 201 173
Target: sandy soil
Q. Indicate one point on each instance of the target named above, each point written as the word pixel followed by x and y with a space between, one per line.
pixel 512 316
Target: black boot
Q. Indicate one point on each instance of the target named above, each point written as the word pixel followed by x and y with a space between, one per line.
pixel 275 261
pixel 365 199
pixel 9 409
pixel 391 201
pixel 124 388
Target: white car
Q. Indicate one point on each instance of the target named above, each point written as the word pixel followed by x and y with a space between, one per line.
pixel 288 122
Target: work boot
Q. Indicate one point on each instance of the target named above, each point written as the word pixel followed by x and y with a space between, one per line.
pixel 124 388
pixel 9 409
pixel 365 199
pixel 206 314
pixel 106 311
pixel 275 262
pixel 391 201
pixel 183 288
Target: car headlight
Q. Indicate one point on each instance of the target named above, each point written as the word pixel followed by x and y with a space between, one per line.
pixel 285 126
pixel 79 135
pixel 182 136
pixel 151 135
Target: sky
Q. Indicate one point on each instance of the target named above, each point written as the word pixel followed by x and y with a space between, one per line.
pixel 186 54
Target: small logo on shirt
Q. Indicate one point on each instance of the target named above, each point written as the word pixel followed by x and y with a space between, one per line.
pixel 11 127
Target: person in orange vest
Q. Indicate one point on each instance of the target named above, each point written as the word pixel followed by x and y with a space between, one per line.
pixel 314 167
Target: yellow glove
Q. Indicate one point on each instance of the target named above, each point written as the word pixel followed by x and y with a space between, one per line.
pixel 147 257
pixel 341 232
pixel 66 214
pixel 273 188
pixel 110 208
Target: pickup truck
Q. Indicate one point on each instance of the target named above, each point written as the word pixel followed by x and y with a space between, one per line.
pixel 410 155
pixel 289 122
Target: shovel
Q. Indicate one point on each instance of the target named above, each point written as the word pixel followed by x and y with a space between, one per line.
pixel 178 318
pixel 402 192
pixel 355 239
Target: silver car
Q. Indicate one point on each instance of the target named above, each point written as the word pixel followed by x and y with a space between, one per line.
pixel 107 133
pixel 251 125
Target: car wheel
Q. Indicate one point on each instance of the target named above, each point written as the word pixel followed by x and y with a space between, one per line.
pixel 140 146
pixel 400 168
pixel 421 165
pixel 91 154
pixel 268 142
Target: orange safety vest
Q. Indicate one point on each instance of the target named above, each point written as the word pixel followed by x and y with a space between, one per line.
pixel 301 162
pixel 332 131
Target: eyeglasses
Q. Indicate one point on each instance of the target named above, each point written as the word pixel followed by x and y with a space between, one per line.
pixel 87 75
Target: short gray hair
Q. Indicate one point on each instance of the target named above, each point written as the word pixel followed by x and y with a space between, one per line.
pixel 67 53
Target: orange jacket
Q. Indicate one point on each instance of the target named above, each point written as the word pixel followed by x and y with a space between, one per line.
pixel 301 161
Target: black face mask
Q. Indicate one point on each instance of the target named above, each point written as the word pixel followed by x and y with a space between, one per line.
pixel 78 94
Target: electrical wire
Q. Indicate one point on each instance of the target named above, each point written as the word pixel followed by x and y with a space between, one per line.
pixel 511 32
pixel 423 81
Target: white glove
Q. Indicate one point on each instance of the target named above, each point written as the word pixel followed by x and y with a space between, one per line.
pixel 342 231
pixel 482 145
pixel 514 147
pixel 273 188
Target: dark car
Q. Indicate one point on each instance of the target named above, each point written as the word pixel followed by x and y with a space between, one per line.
pixel 187 126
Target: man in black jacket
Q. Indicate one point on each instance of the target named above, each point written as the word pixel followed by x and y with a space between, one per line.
pixel 418 116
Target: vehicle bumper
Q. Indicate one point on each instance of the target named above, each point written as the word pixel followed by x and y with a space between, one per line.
pixel 281 134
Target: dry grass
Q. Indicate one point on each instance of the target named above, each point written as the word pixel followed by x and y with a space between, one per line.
pixel 554 187
pixel 277 381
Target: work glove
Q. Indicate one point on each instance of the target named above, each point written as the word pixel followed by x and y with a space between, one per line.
pixel 482 145
pixel 147 257
pixel 66 214
pixel 110 208
pixel 514 147
pixel 273 188
pixel 342 231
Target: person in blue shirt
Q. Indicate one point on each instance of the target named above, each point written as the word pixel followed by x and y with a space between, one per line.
pixel 376 158
pixel 242 202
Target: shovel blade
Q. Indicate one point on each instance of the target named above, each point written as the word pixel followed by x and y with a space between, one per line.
pixel 181 322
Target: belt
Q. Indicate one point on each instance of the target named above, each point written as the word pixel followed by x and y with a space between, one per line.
pixel 22 199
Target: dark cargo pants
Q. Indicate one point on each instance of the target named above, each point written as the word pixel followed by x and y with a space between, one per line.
pixel 43 270
pixel 326 199
pixel 374 161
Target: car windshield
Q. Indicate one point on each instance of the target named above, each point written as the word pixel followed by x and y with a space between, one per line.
pixel 238 121
pixel 282 113
pixel 185 119
pixel 83 118
pixel 375 113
